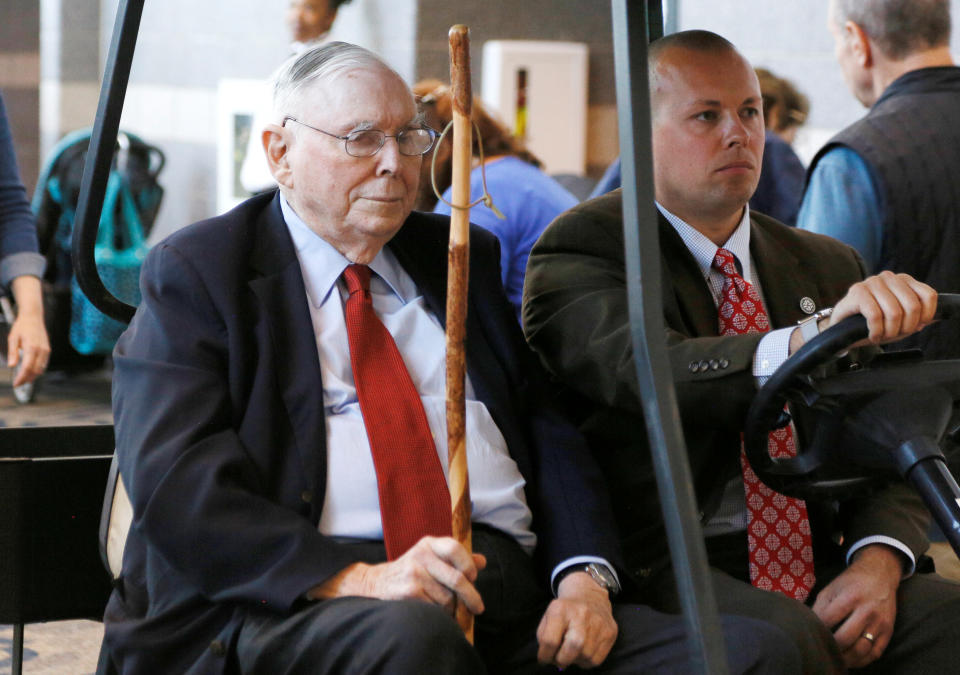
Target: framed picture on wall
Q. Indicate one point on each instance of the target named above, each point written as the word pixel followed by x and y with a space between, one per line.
pixel 237 115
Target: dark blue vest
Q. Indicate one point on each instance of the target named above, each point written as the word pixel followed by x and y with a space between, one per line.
pixel 910 140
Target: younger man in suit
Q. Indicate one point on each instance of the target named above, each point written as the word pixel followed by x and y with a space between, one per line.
pixel 728 276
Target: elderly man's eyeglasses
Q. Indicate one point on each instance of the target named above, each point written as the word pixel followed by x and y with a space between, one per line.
pixel 367 142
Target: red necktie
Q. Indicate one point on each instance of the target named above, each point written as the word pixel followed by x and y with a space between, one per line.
pixel 414 499
pixel 778 528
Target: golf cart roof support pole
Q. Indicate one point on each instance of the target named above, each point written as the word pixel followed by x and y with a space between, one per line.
pixel 96 168
pixel 642 261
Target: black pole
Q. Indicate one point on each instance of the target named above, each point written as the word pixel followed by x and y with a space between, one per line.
pixel 642 259
pixel 16 658
pixel 654 20
pixel 96 168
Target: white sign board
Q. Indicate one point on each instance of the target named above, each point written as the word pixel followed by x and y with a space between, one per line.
pixel 539 89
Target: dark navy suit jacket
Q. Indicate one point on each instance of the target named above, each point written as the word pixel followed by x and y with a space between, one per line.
pixel 220 434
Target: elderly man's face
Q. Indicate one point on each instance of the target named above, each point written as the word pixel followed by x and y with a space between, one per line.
pixel 355 203
pixel 707 133
pixel 309 19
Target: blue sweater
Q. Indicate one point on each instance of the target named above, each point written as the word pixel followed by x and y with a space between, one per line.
pixel 18 234
pixel 529 199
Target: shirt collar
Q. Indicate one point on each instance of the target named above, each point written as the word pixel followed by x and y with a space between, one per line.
pixel 704 250
pixel 322 264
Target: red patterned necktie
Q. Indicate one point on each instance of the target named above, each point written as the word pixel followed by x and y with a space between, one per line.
pixel 778 528
pixel 414 498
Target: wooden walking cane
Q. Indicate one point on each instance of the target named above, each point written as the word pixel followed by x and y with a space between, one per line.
pixel 458 265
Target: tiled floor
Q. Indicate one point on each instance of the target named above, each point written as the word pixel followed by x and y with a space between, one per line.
pixel 82 398
pixel 58 648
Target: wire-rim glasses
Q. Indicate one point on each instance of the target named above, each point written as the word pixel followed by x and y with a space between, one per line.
pixel 367 142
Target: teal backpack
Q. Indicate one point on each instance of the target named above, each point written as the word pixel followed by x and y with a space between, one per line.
pixel 130 206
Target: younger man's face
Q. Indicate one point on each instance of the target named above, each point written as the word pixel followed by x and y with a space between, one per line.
pixel 707 133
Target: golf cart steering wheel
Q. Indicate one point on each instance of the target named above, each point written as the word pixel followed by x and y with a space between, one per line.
pixel 865 426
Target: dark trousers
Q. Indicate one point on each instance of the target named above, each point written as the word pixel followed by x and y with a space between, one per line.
pixel 361 635
pixel 926 637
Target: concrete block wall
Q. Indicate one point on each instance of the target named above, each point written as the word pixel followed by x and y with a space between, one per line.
pixel 586 21
pixel 20 81
pixel 185 48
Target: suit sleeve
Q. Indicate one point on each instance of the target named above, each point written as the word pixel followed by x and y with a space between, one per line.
pixel 565 489
pixel 576 318
pixel 199 499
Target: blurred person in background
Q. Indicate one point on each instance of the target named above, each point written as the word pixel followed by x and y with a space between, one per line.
pixel 310 22
pixel 528 198
pixel 21 266
pixel 782 174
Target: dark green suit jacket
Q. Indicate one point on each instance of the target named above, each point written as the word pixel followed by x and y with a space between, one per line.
pixel 575 317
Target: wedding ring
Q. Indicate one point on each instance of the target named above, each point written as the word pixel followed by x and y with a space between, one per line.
pixel 869 637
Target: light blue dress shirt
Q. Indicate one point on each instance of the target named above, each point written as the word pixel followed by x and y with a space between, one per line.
pixel 843 202
pixel 772 350
pixel 351 506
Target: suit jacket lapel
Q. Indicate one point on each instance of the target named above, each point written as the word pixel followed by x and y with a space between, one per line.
pixel 781 278
pixel 282 299
pixel 424 257
pixel 419 257
pixel 687 288
pixel 783 281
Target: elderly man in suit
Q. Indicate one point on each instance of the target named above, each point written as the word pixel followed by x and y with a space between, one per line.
pixel 279 402
pixel 844 575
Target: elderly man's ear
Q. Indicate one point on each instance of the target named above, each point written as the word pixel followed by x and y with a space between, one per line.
pixel 276 146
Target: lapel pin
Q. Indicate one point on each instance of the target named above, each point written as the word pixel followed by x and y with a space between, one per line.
pixel 807 305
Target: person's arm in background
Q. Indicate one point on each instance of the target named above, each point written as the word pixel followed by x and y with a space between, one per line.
pixel 28 339
pixel 21 267
pixel 842 201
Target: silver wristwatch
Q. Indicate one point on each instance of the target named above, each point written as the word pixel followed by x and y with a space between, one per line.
pixel 601 574
pixel 604 576
pixel 810 326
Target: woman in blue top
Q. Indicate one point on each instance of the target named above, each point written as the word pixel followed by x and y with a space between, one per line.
pixel 782 175
pixel 21 267
pixel 528 198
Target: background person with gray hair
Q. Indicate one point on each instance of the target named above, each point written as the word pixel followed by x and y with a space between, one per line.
pixel 888 184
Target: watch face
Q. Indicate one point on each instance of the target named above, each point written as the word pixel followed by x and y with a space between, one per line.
pixel 604 577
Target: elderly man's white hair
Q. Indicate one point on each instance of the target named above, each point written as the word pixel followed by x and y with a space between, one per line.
pixel 316 65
